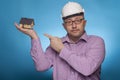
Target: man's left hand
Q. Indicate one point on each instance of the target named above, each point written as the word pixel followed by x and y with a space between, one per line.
pixel 55 43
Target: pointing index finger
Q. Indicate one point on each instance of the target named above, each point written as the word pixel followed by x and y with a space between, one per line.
pixel 49 36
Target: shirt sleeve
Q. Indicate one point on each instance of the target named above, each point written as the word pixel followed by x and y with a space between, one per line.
pixel 88 63
pixel 43 61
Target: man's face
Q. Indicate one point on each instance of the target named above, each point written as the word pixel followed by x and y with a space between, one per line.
pixel 75 26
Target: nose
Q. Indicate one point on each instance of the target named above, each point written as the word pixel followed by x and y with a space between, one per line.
pixel 74 25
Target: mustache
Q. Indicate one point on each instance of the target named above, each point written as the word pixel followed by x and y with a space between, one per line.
pixel 75 30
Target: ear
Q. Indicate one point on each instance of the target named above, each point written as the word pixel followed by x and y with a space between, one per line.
pixel 84 22
pixel 64 25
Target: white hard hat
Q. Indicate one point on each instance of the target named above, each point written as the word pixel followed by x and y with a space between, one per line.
pixel 71 8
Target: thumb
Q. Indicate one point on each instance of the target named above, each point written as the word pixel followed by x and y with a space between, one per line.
pixel 17 26
pixel 49 36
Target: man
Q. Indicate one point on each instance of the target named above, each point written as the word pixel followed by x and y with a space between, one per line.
pixel 77 56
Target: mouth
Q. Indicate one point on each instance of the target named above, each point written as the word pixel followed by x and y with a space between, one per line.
pixel 75 31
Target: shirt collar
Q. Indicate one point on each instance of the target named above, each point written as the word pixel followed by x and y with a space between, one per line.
pixel 84 37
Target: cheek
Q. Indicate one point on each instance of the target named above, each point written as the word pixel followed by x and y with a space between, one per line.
pixel 81 29
pixel 67 28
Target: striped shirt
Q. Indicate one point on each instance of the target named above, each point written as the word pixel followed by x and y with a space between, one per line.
pixel 76 61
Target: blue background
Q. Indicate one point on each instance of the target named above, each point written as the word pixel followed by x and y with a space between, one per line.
pixel 15 61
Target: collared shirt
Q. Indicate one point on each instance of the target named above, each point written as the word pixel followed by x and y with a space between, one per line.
pixel 76 61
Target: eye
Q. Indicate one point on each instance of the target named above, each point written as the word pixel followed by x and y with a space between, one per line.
pixel 78 21
pixel 68 21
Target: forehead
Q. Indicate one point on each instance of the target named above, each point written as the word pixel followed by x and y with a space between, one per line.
pixel 74 17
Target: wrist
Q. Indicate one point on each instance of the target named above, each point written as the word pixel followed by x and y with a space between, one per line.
pixel 61 48
pixel 34 36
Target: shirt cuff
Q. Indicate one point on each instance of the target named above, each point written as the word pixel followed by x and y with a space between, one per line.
pixel 35 41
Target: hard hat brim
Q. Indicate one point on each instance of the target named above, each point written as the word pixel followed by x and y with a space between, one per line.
pixel 77 14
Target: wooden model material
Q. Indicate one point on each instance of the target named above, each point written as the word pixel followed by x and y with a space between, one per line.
pixel 27 23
